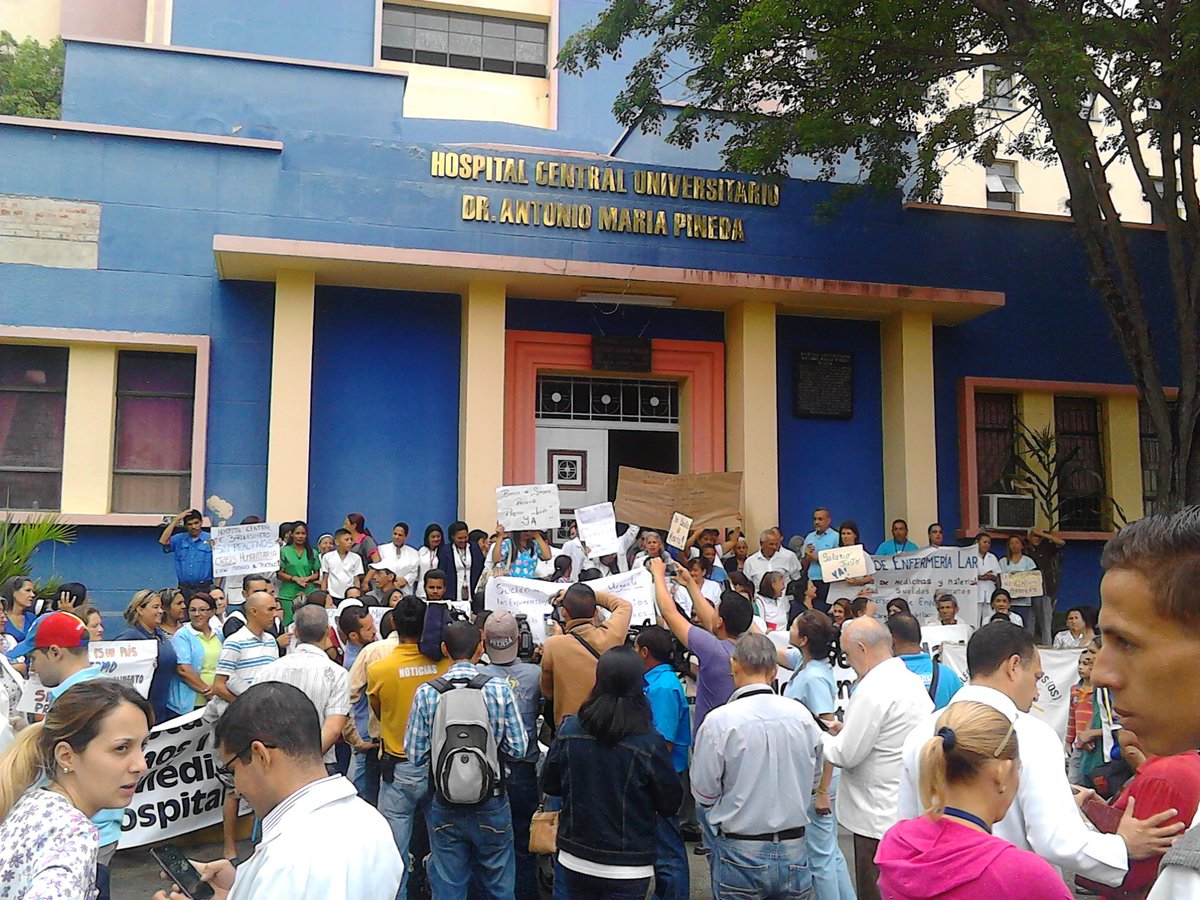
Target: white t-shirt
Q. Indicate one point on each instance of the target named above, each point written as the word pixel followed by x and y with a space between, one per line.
pixel 404 563
pixel 341 572
pixel 988 565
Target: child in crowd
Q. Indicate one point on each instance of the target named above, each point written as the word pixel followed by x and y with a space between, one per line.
pixel 1002 605
pixel 1080 735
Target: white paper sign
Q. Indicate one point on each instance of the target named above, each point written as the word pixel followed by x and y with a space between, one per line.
pixel 597 527
pixel 243 549
pixel 528 507
pixel 918 578
pixel 840 563
pixel 132 662
pixel 677 534
pixel 934 636
pixel 1022 584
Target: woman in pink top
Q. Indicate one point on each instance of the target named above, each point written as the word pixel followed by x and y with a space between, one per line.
pixel 969 774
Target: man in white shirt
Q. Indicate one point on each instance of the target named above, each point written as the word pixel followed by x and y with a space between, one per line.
pixel 341 567
pixel 754 794
pixel 268 746
pixel 988 580
pixel 401 559
pixel 1005 670
pixel 887 703
pixel 772 557
pixel 309 668
pixel 1151 627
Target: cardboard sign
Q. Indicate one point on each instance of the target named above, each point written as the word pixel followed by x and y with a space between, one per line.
pixel 597 526
pixel 841 563
pixel 650 498
pixel 1023 584
pixel 245 549
pixel 528 507
pixel 677 534
pixel 919 578
pixel 132 662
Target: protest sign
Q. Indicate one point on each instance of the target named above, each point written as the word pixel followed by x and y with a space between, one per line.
pixel 934 636
pixel 528 507
pixel 650 498
pixel 1053 704
pixel 180 791
pixel 1022 584
pixel 532 597
pixel 243 549
pixel 132 662
pixel 677 533
pixel 840 563
pixel 918 578
pixel 597 526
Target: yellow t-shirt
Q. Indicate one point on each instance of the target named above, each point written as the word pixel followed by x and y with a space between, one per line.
pixel 391 684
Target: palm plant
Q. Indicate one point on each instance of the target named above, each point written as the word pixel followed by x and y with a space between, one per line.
pixel 19 541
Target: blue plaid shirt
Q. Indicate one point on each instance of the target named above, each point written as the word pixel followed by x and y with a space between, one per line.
pixel 503 715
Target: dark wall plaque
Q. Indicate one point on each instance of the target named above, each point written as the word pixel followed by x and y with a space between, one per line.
pixel 824 385
pixel 620 354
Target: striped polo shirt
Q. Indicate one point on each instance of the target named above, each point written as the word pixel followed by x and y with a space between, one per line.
pixel 244 656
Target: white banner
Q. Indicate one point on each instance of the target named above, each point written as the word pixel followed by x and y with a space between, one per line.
pixel 919 578
pixel 597 526
pixel 180 791
pixel 245 549
pixel 1053 705
pixel 132 662
pixel 526 507
pixel 532 597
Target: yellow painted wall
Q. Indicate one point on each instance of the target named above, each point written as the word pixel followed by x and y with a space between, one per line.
pixel 1123 454
pixel 909 449
pixel 481 401
pixel 752 440
pixel 290 415
pixel 1036 411
pixel 37 19
pixel 90 433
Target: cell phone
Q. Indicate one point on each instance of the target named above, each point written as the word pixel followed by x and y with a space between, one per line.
pixel 182 872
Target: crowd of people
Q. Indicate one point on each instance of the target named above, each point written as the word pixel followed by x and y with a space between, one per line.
pixel 439 751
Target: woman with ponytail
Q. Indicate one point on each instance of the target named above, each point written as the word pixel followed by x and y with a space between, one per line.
pixel 969 775
pixel 84 757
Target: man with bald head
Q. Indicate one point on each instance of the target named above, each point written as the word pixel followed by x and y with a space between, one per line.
pixel 244 656
pixel 888 702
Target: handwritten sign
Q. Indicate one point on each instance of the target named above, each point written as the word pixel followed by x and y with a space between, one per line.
pixel 677 534
pixel 650 498
pixel 243 549
pixel 598 528
pixel 1023 584
pixel 528 507
pixel 132 662
pixel 919 578
pixel 532 597
pixel 840 563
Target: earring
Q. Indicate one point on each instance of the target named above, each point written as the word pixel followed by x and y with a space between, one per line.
pixel 66 769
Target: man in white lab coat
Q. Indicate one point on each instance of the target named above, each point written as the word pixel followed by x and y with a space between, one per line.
pixel 1150 622
pixel 1005 670
pixel 269 751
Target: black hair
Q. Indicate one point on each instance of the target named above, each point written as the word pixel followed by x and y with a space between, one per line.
pixel 403 525
pixel 579 601
pixel 997 592
pixel 590 575
pixel 204 597
pixel 736 612
pixel 1089 614
pixel 456 527
pixel 192 514
pixel 995 643
pixel 9 590
pixel 77 592
pixel 461 639
pixel 249 520
pixel 617 706
pixel 351 618
pixel 739 579
pixel 896 522
pixel 475 534
pixel 275 713
pixel 898 601
pixel 320 597
pixel 1165 550
pixel 409 617
pixel 658 641
pixel 307 545
pixel 387 624
pixel 1000 617
pixel 822 634
pixel 431 529
pixel 285 529
pixel 562 565
pixel 853 526
pixel 933 525
pixel 433 575
pixel 905 628
pixel 337 534
pixel 389 594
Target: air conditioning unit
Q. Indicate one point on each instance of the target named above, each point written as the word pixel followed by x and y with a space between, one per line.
pixel 1007 512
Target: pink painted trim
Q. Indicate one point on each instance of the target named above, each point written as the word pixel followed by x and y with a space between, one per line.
pixel 199 343
pixel 229 54
pixel 147 133
pixel 1078 388
pixel 700 364
pixel 318 251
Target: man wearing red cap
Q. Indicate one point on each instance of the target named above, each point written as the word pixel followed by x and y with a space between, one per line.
pixel 57 645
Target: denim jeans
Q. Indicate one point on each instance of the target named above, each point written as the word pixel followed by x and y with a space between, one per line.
pixel 366 775
pixel 761 870
pixel 522 789
pixel 830 874
pixel 472 850
pixel 571 885
pixel 399 803
pixel 671 861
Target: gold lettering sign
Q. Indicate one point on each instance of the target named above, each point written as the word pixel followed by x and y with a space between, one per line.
pixel 591 178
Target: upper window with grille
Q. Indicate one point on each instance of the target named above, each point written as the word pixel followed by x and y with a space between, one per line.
pixel 580 398
pixel 1082 490
pixel 33 410
pixel 995 434
pixel 463 40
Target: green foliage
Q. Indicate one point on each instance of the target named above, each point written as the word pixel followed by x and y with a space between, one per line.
pixel 19 541
pixel 31 77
